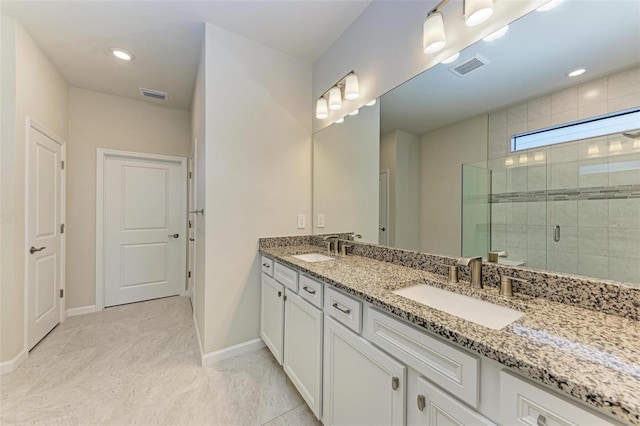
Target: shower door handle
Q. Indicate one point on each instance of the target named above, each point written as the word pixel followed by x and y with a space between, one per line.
pixel 556 233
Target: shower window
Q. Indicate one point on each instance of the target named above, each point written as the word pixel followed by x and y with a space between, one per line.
pixel 618 122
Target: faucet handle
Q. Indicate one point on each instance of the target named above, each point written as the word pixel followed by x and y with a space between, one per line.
pixel 506 285
pixel 466 261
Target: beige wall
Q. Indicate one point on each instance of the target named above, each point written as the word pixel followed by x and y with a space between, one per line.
pixel 97 120
pixel 407 191
pixel 346 169
pixel 42 94
pixel 443 152
pixel 258 157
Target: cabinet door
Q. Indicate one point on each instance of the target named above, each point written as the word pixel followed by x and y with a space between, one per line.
pixel 362 385
pixel 436 408
pixel 272 315
pixel 303 348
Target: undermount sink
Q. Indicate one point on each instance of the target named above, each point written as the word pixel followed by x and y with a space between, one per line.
pixel 313 257
pixel 483 313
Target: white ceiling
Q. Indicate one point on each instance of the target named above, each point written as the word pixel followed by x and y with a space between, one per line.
pixel 529 61
pixel 166 37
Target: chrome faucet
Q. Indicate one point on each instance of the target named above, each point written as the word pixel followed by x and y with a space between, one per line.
pixel 475 263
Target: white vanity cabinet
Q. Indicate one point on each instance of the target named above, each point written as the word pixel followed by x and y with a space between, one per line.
pixel 272 316
pixel 362 385
pixel 303 348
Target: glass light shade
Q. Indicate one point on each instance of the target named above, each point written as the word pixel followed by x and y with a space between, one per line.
pixel 351 87
pixel 335 98
pixel 355 112
pixel 496 35
pixel 322 111
pixel 371 103
pixel 433 37
pixel 477 11
pixel 451 58
pixel 576 73
pixel 122 54
pixel 340 120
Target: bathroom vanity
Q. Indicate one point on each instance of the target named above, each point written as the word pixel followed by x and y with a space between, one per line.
pixel 359 353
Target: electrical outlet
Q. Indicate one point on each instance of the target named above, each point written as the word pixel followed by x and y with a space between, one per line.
pixel 302 221
pixel 320 221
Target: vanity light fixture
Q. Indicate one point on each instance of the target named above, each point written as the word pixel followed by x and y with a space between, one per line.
pixel 122 54
pixel 371 103
pixel 322 110
pixel 576 72
pixel 354 112
pixel 477 12
pixel 451 58
pixel 332 98
pixel 496 35
pixel 550 5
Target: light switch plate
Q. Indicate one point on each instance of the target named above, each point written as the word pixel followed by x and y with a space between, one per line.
pixel 302 221
pixel 320 221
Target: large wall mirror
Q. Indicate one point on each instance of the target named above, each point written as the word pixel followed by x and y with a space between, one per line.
pixel 441 159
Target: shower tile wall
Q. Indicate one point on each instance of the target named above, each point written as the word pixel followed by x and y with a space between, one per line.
pixel 600 228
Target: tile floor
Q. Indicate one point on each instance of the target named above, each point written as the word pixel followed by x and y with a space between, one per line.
pixel 140 364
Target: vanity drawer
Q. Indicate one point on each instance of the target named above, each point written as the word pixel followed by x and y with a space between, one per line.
pixel 286 276
pixel 524 403
pixel 267 265
pixel 311 290
pixel 452 369
pixel 343 308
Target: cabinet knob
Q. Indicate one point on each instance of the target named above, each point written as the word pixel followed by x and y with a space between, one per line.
pixel 421 402
pixel 279 293
pixel 541 420
pixel 395 383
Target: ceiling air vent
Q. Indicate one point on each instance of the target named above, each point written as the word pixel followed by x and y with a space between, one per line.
pixel 469 65
pixel 155 94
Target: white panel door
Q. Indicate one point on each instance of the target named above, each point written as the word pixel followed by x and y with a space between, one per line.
pixel 191 234
pixel 363 386
pixel 144 210
pixel 44 272
pixel 383 227
pixel 303 348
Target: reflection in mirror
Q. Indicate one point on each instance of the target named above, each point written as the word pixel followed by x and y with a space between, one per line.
pixel 433 124
pixel 345 176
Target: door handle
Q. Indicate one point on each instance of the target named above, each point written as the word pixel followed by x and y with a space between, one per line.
pixel 192 239
pixel 174 235
pixel 422 402
pixel 383 229
pixel 34 250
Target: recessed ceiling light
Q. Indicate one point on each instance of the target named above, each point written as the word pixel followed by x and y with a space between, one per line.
pixel 355 112
pixel 496 35
pixel 122 54
pixel 370 103
pixel 451 58
pixel 576 72
pixel 548 6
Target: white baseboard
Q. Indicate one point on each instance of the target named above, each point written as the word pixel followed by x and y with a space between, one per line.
pixel 82 310
pixel 12 364
pixel 232 351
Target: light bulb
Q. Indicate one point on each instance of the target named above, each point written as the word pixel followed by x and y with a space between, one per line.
pixel 433 37
pixel 477 11
pixel 321 109
pixel 351 87
pixel 335 98
pixel 451 58
pixel 496 35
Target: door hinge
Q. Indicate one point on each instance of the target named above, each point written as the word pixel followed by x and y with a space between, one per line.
pixel 62 165
pixel 61 293
pixel 62 228
pixel 190 175
pixel 189 274
pixel 189 224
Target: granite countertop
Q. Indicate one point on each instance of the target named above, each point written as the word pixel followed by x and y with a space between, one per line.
pixel 591 356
